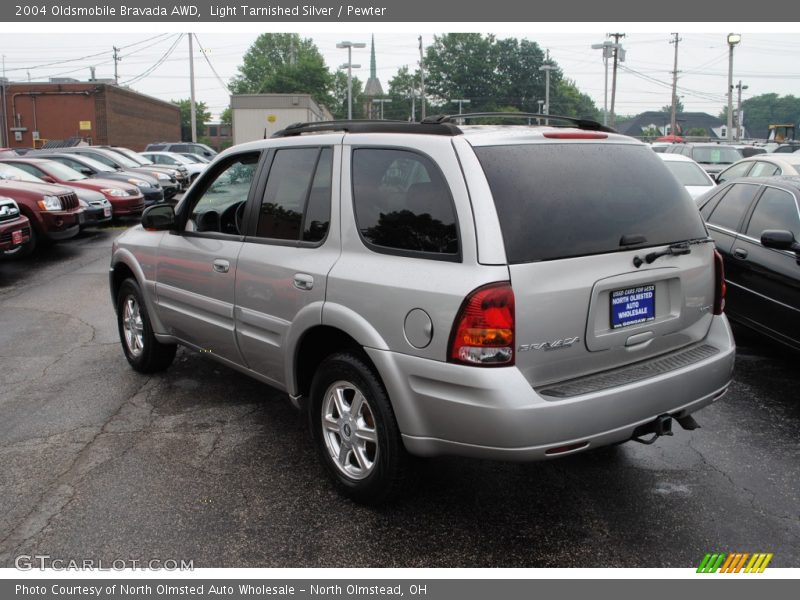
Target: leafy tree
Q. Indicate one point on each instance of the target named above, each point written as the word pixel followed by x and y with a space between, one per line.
pixel 338 105
pixel 284 63
pixel 226 117
pixel 202 116
pixel 494 73
pixel 668 108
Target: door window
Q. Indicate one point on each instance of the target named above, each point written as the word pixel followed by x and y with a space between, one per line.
pixel 220 205
pixel 730 210
pixel 776 209
pixel 763 169
pixel 738 170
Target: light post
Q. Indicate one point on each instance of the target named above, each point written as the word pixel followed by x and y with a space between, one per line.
pixel 608 51
pixel 739 87
pixel 733 39
pixel 350 66
pixel 381 101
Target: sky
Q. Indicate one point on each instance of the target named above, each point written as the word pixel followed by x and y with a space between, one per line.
pixel 765 60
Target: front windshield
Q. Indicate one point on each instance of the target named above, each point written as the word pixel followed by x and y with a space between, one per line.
pixel 63 172
pixel 124 161
pixel 137 158
pixel 716 155
pixel 15 174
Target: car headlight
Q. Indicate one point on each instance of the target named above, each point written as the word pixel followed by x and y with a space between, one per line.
pixel 114 192
pixel 139 183
pixel 161 176
pixel 50 203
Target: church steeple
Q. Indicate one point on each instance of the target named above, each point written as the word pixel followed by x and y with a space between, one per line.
pixel 373 87
pixel 372 67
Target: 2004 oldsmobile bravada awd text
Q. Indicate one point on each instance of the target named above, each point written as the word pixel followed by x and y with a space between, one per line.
pixel 431 289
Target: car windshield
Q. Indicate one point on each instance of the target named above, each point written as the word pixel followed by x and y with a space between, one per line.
pixel 181 159
pixel 716 155
pixel 688 173
pixel 15 174
pixel 123 160
pixel 63 172
pixel 137 158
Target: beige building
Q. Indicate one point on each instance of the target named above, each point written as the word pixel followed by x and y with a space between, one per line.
pixel 258 116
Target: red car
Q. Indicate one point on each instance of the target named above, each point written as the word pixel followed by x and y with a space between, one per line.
pixel 125 199
pixel 15 229
pixel 53 211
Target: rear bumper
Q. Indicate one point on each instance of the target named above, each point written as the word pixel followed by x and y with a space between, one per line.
pixel 444 408
pixel 7 229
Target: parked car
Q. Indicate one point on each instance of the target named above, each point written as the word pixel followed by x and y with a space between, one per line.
pixel 124 199
pixel 195 158
pixel 168 182
pixel 763 165
pixel 96 211
pixel 427 289
pixel 688 173
pixel 147 185
pixel 748 150
pixel 192 147
pixel 180 173
pixel 15 229
pixel 171 159
pixel 755 223
pixel 712 157
pixel 53 211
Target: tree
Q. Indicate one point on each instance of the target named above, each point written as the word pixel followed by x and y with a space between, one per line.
pixel 401 88
pixel 678 109
pixel 338 105
pixel 284 63
pixel 202 116
pixel 226 117
pixel 494 73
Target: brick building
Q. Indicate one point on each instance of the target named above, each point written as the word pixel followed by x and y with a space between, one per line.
pixel 100 113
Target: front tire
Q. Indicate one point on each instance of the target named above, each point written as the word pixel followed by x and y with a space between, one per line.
pixel 143 351
pixel 355 430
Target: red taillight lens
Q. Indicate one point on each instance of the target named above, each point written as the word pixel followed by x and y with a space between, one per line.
pixel 483 332
pixel 720 288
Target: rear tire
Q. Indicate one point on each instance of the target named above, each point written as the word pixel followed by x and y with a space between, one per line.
pixel 355 430
pixel 143 351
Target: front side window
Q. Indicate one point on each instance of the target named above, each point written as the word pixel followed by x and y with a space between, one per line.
pixel 297 200
pixel 737 170
pixel 776 209
pixel 763 169
pixel 402 202
pixel 221 203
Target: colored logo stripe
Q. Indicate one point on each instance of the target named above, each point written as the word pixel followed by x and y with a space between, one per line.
pixel 734 563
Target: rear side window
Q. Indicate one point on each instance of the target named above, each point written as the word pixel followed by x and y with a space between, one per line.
pixel 574 199
pixel 730 210
pixel 764 169
pixel 402 203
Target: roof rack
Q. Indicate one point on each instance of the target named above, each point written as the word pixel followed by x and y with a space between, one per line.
pixel 541 119
pixel 369 126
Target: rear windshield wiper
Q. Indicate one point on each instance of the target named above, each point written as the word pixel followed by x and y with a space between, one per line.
pixel 676 249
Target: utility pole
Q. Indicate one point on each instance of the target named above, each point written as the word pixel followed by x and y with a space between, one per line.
pixel 733 39
pixel 673 125
pixel 546 67
pixel 116 61
pixel 606 47
pixel 739 87
pixel 4 129
pixel 619 56
pixel 421 80
pixel 192 109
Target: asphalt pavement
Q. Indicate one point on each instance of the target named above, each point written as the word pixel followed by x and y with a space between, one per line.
pixel 201 463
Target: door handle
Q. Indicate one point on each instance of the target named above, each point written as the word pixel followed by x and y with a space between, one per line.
pixel 221 266
pixel 303 281
pixel 740 253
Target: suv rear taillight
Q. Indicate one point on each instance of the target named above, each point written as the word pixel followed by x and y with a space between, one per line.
pixel 483 332
pixel 720 288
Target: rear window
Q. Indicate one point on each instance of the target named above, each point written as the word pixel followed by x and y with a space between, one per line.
pixel 688 173
pixel 566 200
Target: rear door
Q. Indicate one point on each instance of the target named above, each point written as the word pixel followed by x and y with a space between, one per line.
pixel 577 218
pixel 292 243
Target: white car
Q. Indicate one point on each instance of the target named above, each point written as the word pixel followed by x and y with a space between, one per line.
pixel 690 175
pixel 174 159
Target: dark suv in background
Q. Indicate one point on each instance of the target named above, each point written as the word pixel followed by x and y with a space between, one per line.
pixel 712 157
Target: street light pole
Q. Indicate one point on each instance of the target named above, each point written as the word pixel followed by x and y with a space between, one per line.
pixel 733 39
pixel 547 67
pixel 606 47
pixel 739 87
pixel 350 66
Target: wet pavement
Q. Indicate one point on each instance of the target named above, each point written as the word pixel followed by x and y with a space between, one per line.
pixel 201 463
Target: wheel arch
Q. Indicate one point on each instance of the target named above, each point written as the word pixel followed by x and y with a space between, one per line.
pixel 125 266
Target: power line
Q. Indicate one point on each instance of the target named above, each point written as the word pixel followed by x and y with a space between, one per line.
pixel 158 63
pixel 213 70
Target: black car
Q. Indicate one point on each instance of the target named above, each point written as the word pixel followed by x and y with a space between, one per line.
pixel 755 223
pixel 148 185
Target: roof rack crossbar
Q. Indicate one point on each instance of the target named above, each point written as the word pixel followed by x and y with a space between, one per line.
pixel 368 126
pixel 587 124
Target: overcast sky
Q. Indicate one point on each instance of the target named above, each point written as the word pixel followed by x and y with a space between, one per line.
pixel 765 62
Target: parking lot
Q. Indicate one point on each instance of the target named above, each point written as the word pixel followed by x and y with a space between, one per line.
pixel 201 463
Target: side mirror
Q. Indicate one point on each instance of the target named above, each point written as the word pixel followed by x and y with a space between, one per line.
pixel 47 178
pixel 160 217
pixel 87 171
pixel 779 239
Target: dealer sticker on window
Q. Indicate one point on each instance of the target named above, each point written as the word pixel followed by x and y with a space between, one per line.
pixel 633 306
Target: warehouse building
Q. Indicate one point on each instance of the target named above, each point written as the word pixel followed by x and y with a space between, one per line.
pixel 97 112
pixel 258 116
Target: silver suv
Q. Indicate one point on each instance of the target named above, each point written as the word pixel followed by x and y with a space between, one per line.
pixel 508 292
